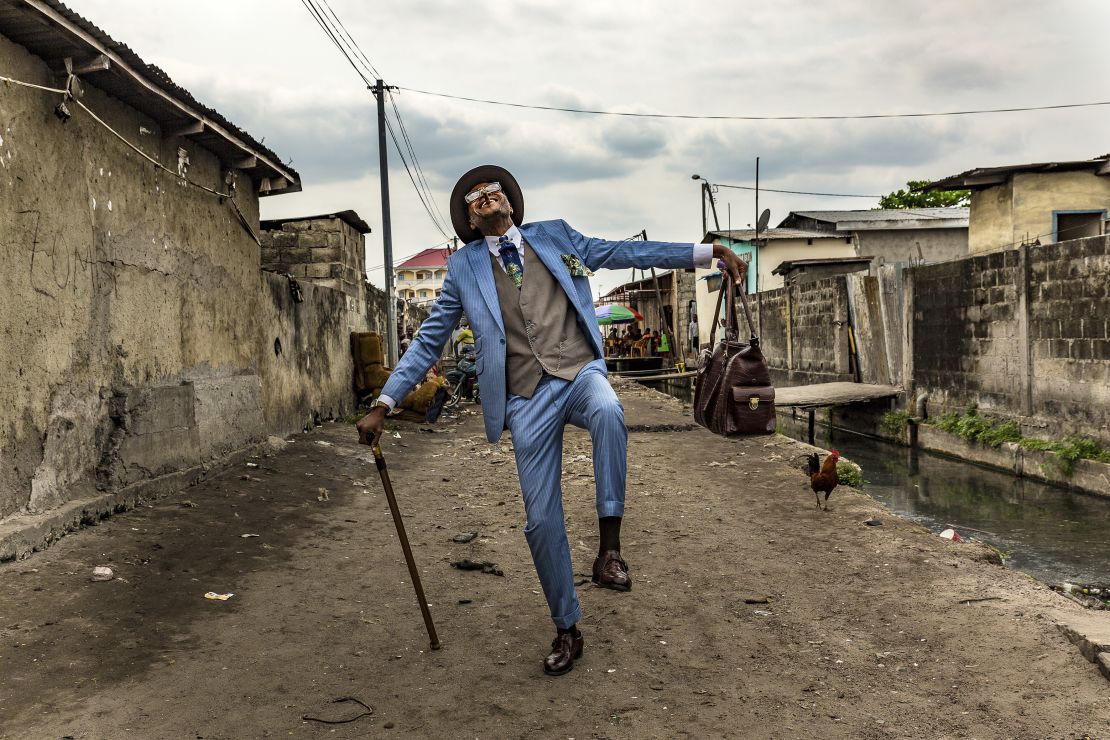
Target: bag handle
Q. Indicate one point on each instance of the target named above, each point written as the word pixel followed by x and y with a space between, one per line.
pixel 731 322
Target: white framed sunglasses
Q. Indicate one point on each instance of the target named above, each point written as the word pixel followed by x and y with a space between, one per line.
pixel 490 189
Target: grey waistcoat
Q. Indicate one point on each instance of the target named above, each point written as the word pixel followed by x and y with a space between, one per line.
pixel 541 330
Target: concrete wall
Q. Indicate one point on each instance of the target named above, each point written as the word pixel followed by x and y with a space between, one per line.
pixel 118 276
pixel 803 331
pixel 1024 333
pixel 1069 333
pixel 326 251
pixel 965 334
pixel 1021 209
pixel 137 332
pixel 908 245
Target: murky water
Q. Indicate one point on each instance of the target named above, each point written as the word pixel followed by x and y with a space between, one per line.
pixel 1051 533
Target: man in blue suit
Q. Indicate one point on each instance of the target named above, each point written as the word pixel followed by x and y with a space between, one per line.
pixel 526 291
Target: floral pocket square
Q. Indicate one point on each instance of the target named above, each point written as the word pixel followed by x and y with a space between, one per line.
pixel 575 266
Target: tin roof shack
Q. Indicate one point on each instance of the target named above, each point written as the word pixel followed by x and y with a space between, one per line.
pixel 677 288
pixel 1043 203
pixel 807 271
pixel 135 327
pixel 891 235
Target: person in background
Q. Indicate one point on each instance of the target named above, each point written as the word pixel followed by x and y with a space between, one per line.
pixel 464 338
pixel 692 333
pixel 664 347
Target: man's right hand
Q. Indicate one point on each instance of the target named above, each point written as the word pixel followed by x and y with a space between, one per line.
pixel 370 426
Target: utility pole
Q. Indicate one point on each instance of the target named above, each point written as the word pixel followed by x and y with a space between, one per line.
pixel 387 232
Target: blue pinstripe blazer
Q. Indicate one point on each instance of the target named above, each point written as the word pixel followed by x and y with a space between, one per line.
pixel 469 288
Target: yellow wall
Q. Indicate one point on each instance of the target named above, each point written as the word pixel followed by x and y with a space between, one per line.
pixel 1006 215
pixel 992 219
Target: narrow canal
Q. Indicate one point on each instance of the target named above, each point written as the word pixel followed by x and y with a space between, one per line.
pixel 1053 534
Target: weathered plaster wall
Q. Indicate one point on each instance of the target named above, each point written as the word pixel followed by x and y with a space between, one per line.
pixel 1038 194
pixel 991 224
pixel 906 245
pixel 778 251
pixel 303 352
pixel 1021 209
pixel 118 276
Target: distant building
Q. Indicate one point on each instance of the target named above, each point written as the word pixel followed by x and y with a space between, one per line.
pixel 763 255
pixel 419 279
pixel 890 235
pixel 677 291
pixel 1046 202
pixel 775 246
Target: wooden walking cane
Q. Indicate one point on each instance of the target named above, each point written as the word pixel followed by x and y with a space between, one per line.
pixel 379 459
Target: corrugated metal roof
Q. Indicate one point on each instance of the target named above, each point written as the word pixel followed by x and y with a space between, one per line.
pixel 749 234
pixel 882 219
pixel 434 257
pixel 885 214
pixel 981 178
pixel 53 32
pixel 787 265
pixel 348 217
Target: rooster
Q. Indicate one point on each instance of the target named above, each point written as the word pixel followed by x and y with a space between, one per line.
pixel 822 476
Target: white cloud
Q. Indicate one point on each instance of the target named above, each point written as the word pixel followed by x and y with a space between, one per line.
pixel 268 68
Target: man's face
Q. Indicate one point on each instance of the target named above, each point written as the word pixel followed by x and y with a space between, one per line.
pixel 488 207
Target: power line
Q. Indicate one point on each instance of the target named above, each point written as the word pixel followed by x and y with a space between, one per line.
pixel 794 192
pixel 361 64
pixel 318 16
pixel 408 171
pixel 358 48
pixel 409 256
pixel 441 222
pixel 687 116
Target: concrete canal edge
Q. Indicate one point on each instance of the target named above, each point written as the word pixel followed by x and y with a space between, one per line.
pixel 1088 476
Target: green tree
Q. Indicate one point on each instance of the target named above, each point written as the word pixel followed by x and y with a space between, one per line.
pixel 911 197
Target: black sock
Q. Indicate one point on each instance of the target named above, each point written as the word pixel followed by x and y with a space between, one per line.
pixel 571 630
pixel 610 527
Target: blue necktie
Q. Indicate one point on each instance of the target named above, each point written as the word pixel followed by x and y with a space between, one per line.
pixel 510 257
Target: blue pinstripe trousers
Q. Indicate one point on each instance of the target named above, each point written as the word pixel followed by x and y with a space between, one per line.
pixel 536 424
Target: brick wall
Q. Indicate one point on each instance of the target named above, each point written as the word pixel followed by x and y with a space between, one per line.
pixel 966 328
pixel 325 251
pixel 803 331
pixel 1023 333
pixel 1069 322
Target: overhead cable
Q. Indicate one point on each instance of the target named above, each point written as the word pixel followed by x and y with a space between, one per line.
pixel 357 49
pixel 694 117
pixel 416 162
pixel 325 26
pixel 793 192
pixel 412 178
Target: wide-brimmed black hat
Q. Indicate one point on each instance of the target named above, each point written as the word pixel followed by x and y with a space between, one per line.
pixel 460 218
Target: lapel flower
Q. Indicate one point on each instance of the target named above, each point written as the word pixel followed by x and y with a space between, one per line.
pixel 575 266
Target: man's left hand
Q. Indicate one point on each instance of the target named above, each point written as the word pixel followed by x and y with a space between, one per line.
pixel 736 268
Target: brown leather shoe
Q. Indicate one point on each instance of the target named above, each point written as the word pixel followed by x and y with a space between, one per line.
pixel 565 649
pixel 610 571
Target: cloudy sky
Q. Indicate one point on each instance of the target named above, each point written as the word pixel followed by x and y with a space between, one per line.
pixel 269 68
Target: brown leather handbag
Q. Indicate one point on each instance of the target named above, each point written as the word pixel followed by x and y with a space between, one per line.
pixel 733 394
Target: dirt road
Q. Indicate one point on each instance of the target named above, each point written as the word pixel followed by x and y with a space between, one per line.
pixel 863 633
